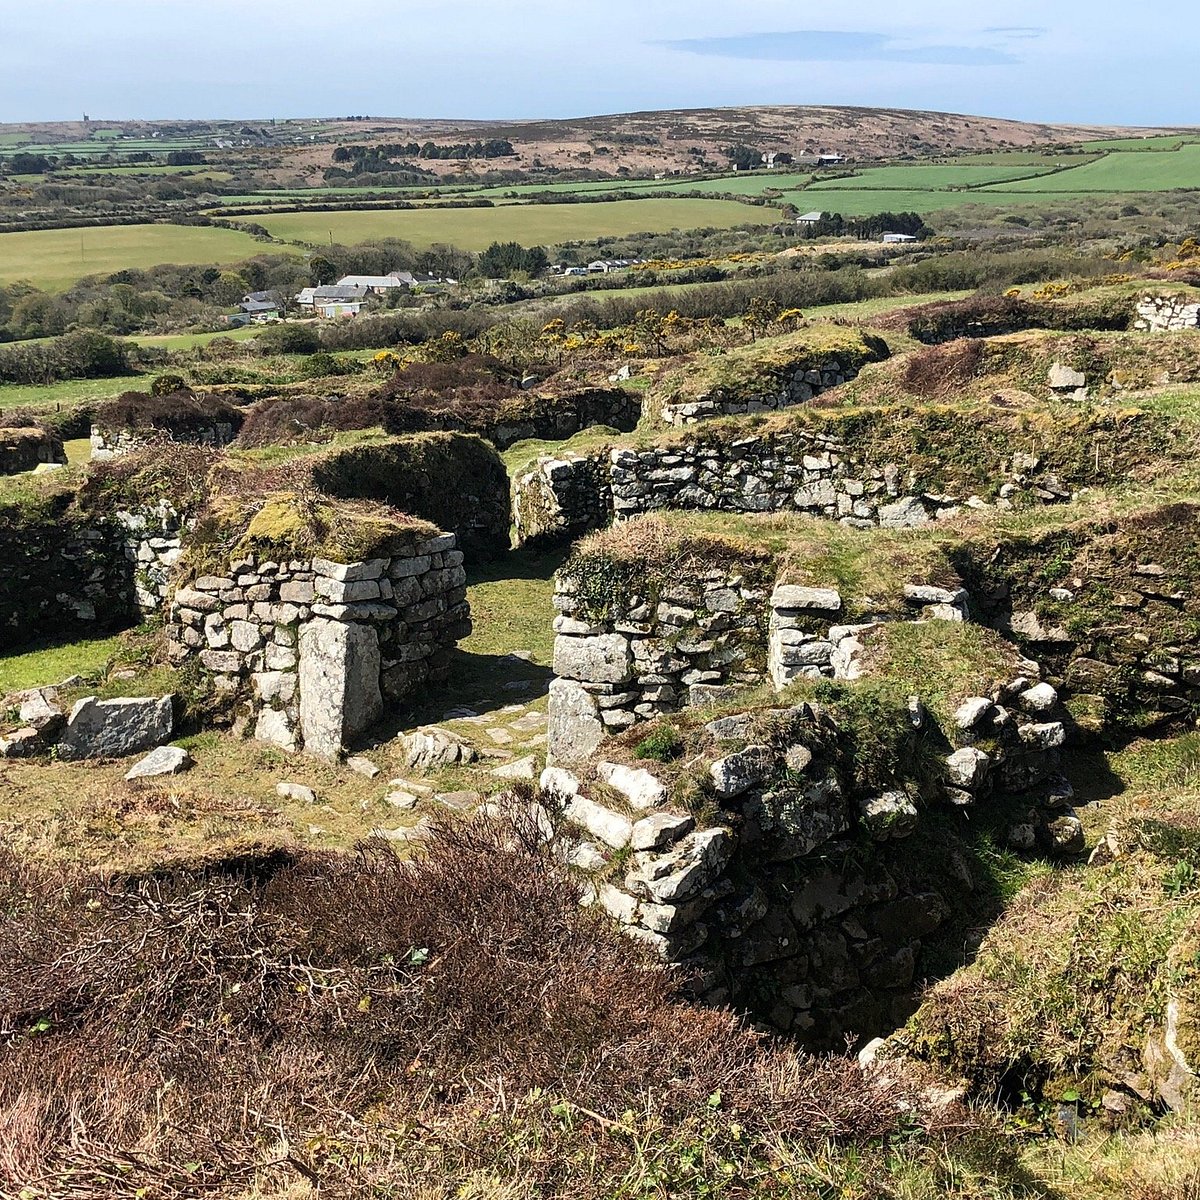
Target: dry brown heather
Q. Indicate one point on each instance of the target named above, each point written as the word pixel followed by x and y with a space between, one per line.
pixel 364 1023
pixel 859 133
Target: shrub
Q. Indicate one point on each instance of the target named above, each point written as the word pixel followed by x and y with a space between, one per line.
pixel 179 413
pixel 165 385
pixel 288 338
pixel 380 1026
pixel 662 744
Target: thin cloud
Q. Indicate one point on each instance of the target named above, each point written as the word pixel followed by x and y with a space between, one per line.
pixel 822 45
pixel 1017 31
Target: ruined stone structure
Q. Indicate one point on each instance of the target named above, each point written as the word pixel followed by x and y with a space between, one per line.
pixel 800 900
pixel 1166 314
pixel 795 471
pixel 795 386
pixel 113 442
pixel 310 653
pixel 694 644
pixel 69 574
pixel 564 416
pixel 27 447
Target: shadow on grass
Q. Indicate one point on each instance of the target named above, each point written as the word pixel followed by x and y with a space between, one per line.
pixel 482 683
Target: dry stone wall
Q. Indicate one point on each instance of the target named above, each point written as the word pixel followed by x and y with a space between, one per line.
pixel 310 653
pixel 65 574
pixel 1166 314
pixel 112 443
pixel 562 416
pixel 560 498
pixel 802 900
pixel 801 471
pixel 693 643
pixel 796 386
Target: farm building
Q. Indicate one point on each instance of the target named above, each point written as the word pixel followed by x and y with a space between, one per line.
pixel 331 293
pixel 378 284
pixel 331 310
pixel 899 238
pixel 259 310
pixel 809 218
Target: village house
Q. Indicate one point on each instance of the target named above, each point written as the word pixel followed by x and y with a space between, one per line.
pixel 257 307
pixel 331 293
pixel 377 285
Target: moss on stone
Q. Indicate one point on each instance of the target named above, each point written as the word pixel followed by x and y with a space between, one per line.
pixel 753 370
pixel 293 525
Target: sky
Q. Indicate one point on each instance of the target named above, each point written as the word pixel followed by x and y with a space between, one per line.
pixel 1083 61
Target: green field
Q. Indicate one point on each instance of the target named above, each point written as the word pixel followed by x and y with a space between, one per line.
pixel 188 341
pixel 1166 142
pixel 862 202
pixel 531 225
pixel 49 396
pixel 53 259
pixel 1122 171
pixel 937 178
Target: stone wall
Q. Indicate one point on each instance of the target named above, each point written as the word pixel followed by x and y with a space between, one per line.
pixel 455 481
pixel 27 447
pixel 60 577
pixel 67 574
pixel 311 653
pixel 802 899
pixel 810 636
pixel 152 540
pixel 1111 612
pixel 113 442
pixel 560 498
pixel 562 416
pixel 795 386
pixel 1166 314
pixel 694 642
pixel 795 471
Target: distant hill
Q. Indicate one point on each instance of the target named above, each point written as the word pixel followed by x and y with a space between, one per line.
pixel 669 141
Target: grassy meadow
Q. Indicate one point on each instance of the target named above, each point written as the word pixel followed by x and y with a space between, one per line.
pixel 531 225
pixel 54 259
pixel 69 392
pixel 1123 171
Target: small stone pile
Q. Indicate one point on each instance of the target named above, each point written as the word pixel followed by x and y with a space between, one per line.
pixel 807 640
pixel 307 651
